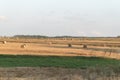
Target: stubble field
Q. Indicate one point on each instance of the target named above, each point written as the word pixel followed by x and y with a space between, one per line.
pixel 96 47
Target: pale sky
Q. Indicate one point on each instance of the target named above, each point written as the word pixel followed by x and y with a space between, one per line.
pixel 60 17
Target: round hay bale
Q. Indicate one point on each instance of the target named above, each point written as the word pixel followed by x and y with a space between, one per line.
pixel 4 42
pixel 69 45
pixel 23 45
pixel 84 46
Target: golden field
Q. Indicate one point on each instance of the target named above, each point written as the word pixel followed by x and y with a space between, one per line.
pixel 100 47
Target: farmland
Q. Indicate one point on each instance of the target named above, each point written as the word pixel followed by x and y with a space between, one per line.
pixel 24 67
pixel 96 47
pixel 59 58
pixel 55 61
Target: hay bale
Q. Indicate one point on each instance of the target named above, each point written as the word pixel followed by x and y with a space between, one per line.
pixel 84 46
pixel 69 45
pixel 23 45
pixel 4 42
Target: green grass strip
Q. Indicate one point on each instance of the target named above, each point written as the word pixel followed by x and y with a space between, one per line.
pixel 55 61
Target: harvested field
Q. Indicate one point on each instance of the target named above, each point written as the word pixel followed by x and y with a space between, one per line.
pixel 100 47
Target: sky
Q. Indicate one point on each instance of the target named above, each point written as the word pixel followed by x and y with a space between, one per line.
pixel 60 17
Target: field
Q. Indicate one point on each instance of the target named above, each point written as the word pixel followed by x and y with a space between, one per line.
pixel 24 67
pixel 54 59
pixel 100 47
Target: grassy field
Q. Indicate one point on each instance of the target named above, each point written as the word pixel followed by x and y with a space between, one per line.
pixel 54 61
